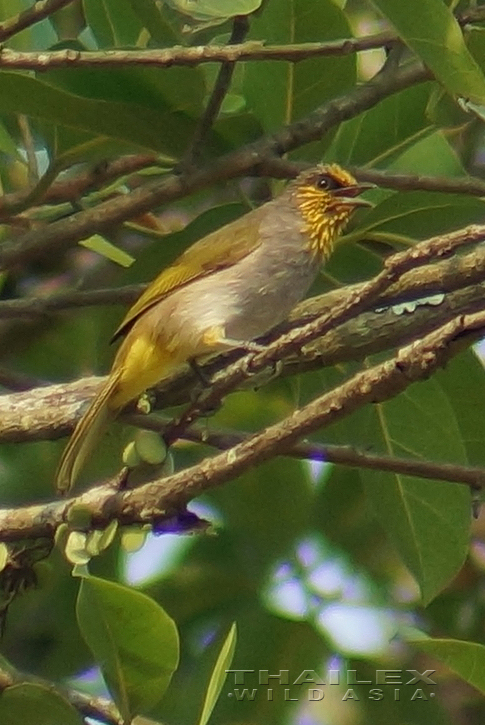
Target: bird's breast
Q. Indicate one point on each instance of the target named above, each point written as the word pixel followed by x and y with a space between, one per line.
pixel 245 300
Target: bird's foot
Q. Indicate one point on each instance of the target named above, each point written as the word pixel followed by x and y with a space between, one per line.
pixel 199 373
pixel 257 378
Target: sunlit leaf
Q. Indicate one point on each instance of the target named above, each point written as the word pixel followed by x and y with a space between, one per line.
pixel 99 244
pixel 466 659
pixel 112 22
pixel 431 30
pixel 215 9
pixel 279 93
pixel 219 675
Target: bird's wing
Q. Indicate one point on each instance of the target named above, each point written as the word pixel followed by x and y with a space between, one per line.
pixel 216 251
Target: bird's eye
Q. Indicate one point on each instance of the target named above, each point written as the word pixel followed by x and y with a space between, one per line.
pixel 326 183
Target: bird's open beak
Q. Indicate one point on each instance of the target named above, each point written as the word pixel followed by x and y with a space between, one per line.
pixel 349 195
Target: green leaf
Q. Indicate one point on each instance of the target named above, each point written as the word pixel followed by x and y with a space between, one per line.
pixel 428 521
pixel 162 131
pixel 463 382
pixel 219 675
pixel 204 10
pixel 7 144
pixel 420 214
pixel 167 89
pixel 403 117
pixel 430 155
pixel 151 15
pixel 112 22
pixel 31 704
pixel 431 30
pixel 132 638
pixel 280 92
pixel 99 244
pixel 466 659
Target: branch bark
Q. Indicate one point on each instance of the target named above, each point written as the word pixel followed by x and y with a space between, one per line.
pixel 40 10
pixel 94 707
pixel 62 234
pixel 472 476
pixel 73 188
pixel 50 412
pixel 193 56
pixel 158 500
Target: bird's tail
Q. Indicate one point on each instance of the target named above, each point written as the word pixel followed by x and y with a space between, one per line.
pixel 86 434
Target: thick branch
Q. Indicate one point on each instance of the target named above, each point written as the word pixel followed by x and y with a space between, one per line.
pixel 358 299
pixel 156 500
pixel 50 412
pixel 64 233
pixel 40 10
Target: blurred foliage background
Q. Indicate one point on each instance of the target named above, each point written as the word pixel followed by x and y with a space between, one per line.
pixel 324 569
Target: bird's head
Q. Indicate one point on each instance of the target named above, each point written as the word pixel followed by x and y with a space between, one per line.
pixel 326 196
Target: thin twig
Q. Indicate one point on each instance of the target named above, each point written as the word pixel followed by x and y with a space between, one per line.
pixel 100 709
pixel 222 84
pixel 415 182
pixel 193 56
pixel 189 56
pixel 40 10
pixel 29 146
pixel 472 476
pixel 287 169
pixel 32 308
pixel 74 187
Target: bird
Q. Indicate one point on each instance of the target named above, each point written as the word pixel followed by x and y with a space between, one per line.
pixel 223 292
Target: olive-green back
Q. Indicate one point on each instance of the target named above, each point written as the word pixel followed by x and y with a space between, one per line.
pixel 216 251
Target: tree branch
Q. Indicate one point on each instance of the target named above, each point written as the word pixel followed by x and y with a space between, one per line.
pixel 472 476
pixel 94 707
pixel 40 10
pixel 222 84
pixel 413 182
pixel 193 56
pixel 73 188
pixel 64 233
pixel 189 56
pixel 35 307
pixel 158 500
pixel 50 412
